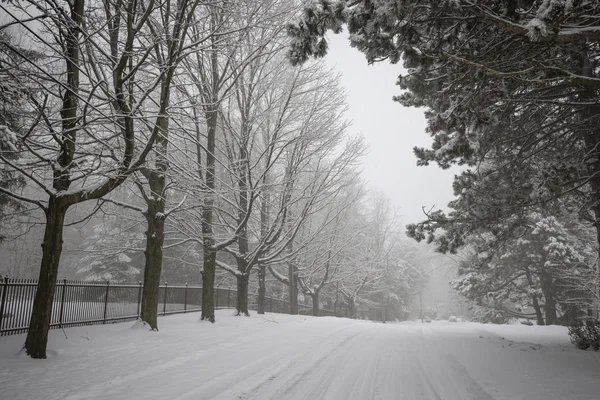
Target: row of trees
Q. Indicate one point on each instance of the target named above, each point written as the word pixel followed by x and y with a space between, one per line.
pixel 181 127
pixel 511 89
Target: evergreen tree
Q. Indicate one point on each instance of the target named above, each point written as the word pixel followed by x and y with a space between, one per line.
pixel 511 91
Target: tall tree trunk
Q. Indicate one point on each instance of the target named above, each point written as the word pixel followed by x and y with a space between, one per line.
pixel 315 303
pixel 242 237
pixel 242 295
pixel 262 288
pixel 39 324
pixel 262 269
pixel 549 300
pixel 155 236
pixel 155 217
pixel 41 313
pixel 212 115
pixel 208 241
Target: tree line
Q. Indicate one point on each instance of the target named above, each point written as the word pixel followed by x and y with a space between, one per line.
pixel 180 128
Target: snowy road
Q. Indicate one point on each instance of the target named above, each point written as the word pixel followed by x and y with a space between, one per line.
pixel 294 358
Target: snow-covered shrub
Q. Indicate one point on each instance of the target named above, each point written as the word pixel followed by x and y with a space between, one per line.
pixel 453 319
pixel 586 334
pixel 527 322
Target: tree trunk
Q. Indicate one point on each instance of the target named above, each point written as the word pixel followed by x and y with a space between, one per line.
pixel 210 254
pixel 155 236
pixel 37 336
pixel 549 300
pixel 155 215
pixel 315 303
pixel 208 284
pixel 262 289
pixel 351 311
pixel 534 298
pixel 335 303
pixel 242 295
pixel 208 240
pixel 293 289
pixel 538 310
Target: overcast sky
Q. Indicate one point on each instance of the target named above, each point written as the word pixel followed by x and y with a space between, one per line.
pixel 391 131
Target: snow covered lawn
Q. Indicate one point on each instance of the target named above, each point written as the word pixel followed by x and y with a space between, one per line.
pixel 295 357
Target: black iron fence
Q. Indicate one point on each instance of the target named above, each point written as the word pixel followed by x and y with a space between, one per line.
pixel 79 303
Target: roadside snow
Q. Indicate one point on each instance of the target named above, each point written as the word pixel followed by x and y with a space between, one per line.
pixel 295 357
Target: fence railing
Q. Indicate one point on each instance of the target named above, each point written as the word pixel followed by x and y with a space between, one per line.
pixel 78 303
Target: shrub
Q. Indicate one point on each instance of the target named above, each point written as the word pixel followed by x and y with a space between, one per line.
pixel 586 334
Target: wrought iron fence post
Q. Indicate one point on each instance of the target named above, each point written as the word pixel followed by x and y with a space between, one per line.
pixel 3 302
pixel 165 300
pixel 228 297
pixel 106 301
pixel 185 299
pixel 139 311
pixel 216 297
pixel 62 303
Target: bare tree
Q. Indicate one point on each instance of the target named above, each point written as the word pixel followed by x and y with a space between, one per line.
pixel 212 75
pixel 319 170
pixel 83 140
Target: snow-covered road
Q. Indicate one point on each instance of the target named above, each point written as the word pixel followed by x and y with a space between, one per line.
pixel 285 357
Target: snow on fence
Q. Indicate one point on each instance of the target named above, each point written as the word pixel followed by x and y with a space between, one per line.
pixel 79 303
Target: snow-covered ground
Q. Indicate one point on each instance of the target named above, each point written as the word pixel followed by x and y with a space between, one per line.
pixel 295 357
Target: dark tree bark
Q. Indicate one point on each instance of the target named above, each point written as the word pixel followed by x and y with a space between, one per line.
pixel 262 269
pixel 293 289
pixel 244 267
pixel 155 236
pixel 538 310
pixel 155 213
pixel 212 115
pixel 315 303
pixel 210 253
pixel 242 295
pixel 262 288
pixel 208 282
pixel 37 336
pixel 534 299
pixel 336 302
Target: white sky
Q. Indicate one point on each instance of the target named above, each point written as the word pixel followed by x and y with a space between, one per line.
pixel 391 131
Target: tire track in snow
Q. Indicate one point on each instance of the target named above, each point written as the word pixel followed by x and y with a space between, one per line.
pixel 234 383
pixel 461 383
pixel 155 372
pixel 308 370
pixel 376 362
